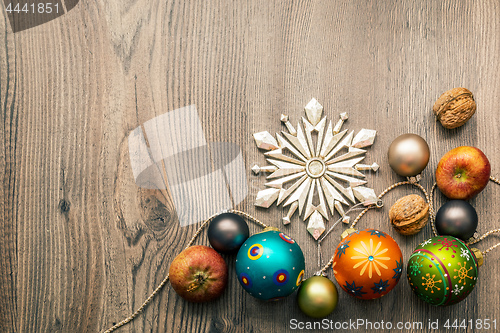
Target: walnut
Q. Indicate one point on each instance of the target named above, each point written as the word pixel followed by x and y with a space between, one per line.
pixel 455 107
pixel 409 214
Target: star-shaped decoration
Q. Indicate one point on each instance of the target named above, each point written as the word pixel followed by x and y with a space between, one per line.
pixel 352 289
pixel 398 270
pixel 379 287
pixel 315 168
pixel 343 246
pixel 377 233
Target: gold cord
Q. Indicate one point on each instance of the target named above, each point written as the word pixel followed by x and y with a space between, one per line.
pixel 428 197
pixel 162 284
pixel 381 195
pixel 470 242
pixel 249 217
pixel 432 213
pixel 353 208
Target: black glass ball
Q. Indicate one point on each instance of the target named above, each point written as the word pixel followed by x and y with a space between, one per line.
pixel 227 232
pixel 457 218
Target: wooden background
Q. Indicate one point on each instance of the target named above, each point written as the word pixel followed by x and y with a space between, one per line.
pixel 81 246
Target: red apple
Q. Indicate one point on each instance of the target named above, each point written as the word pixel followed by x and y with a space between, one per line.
pixel 463 172
pixel 198 274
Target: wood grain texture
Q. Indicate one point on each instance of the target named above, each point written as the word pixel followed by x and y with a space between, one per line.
pixel 81 246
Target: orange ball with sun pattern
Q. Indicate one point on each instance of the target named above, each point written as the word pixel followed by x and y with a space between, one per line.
pixel 367 264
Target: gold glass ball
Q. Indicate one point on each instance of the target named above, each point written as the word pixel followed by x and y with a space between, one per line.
pixel 317 297
pixel 408 155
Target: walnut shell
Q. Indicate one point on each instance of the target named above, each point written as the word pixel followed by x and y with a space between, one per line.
pixel 409 214
pixel 455 107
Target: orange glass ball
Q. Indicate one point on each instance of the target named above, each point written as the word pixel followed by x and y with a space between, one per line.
pixel 368 264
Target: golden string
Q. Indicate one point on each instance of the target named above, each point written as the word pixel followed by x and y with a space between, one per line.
pixel 381 195
pixel 429 198
pixel 165 280
pixel 472 240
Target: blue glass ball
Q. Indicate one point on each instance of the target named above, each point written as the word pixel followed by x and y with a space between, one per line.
pixel 270 265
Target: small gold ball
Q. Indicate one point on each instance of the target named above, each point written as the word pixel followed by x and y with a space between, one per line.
pixel 408 155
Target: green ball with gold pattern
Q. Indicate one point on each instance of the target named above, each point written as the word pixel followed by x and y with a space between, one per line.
pixel 443 270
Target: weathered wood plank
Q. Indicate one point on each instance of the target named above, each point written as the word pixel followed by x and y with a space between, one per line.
pixel 82 246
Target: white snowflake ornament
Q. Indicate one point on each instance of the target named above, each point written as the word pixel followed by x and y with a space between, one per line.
pixel 309 174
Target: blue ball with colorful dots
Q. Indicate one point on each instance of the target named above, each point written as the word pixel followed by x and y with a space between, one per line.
pixel 270 265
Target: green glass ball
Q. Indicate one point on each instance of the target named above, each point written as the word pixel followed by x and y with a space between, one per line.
pixel 317 297
pixel 442 270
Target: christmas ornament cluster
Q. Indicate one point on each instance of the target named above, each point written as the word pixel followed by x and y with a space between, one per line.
pixel 367 264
